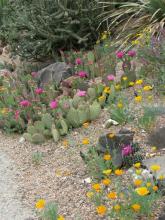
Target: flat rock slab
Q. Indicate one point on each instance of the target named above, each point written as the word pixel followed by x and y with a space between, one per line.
pixel 158 160
pixel 11 207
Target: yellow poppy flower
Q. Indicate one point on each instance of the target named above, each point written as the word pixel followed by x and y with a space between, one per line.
pixel 118 87
pixel 139 82
pixel 147 88
pixel 101 210
pixel 106 182
pixel 148 184
pixel 102 98
pixel 119 172
pixel 137 165
pixel 40 204
pixel 96 187
pixel 107 157
pixel 125 78
pixel 107 172
pixel 155 188
pixel 142 191
pixel 111 135
pixel 155 168
pixel 85 141
pixel 60 217
pixel 89 194
pixel 120 105
pixel 112 195
pixel 131 83
pixel 154 148
pixel 137 182
pixel 161 177
pixel 86 125
pixel 107 90
pixel 136 207
pixel 117 207
pixel 138 98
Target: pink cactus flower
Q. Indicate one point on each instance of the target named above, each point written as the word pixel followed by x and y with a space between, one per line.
pixel 39 91
pixel 34 74
pixel 127 150
pixel 78 61
pixel 111 77
pixel 81 93
pixel 16 115
pixel 53 104
pixel 25 103
pixel 82 74
pixel 120 54
pixel 131 53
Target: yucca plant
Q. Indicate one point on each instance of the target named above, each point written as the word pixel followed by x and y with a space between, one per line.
pixel 133 16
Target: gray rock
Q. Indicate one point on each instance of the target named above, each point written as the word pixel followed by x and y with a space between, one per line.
pixel 114 145
pixel 55 72
pixel 157 138
pixel 158 160
pixel 162 217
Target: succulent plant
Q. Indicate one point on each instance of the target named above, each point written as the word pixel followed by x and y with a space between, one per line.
pixel 92 93
pixel 55 134
pixel 73 118
pixel 95 110
pixel 62 126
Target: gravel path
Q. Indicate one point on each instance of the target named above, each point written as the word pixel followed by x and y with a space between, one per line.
pixel 11 207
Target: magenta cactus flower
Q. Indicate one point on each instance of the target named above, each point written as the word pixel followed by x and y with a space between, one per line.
pixel 82 74
pixel 111 77
pixel 78 61
pixel 25 103
pixel 34 74
pixel 120 54
pixel 131 53
pixel 53 104
pixel 39 91
pixel 127 150
pixel 81 93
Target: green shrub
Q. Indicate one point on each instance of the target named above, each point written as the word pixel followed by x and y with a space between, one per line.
pixel 41 28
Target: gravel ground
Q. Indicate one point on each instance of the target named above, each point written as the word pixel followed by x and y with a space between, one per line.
pixel 11 206
pixel 60 175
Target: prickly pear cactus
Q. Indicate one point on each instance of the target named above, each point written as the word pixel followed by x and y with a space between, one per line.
pixel 95 110
pixel 47 120
pixel 83 113
pixel 28 137
pixel 62 126
pixel 73 118
pixel 99 89
pixel 77 100
pixel 91 93
pixel 38 138
pixel 55 134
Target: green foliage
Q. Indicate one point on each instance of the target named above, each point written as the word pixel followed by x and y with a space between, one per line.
pixel 41 28
pixel 152 56
pixel 121 114
pixel 96 163
pixel 133 16
pixel 37 158
pixel 50 212
pixel 147 120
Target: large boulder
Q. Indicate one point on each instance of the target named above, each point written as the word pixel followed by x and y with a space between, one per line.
pixel 55 72
pixel 157 138
pixel 114 145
